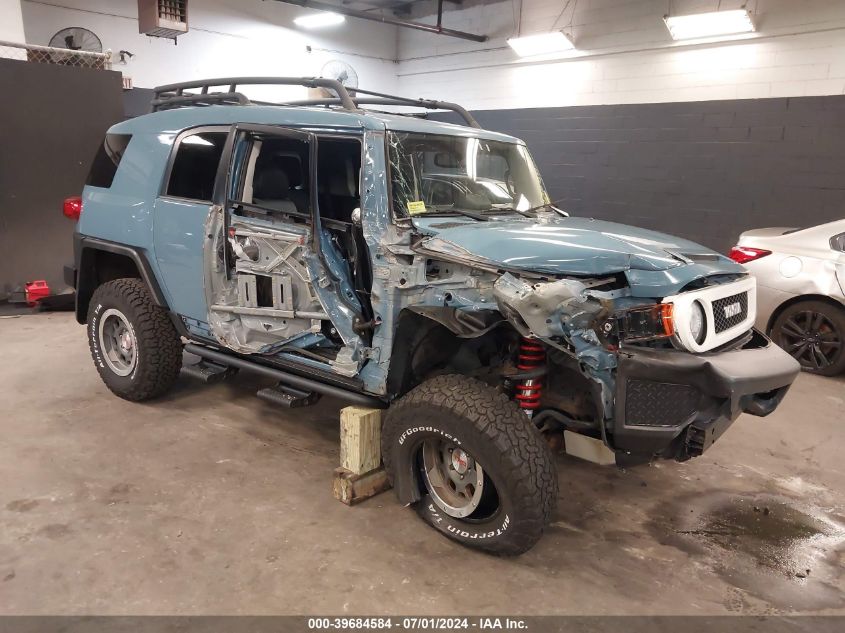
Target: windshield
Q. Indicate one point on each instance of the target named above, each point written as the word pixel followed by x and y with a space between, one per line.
pixel 437 174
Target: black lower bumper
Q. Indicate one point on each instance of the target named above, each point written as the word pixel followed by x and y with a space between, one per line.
pixel 675 404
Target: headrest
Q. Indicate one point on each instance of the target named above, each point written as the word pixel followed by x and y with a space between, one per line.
pixel 292 167
pixel 343 180
pixel 271 183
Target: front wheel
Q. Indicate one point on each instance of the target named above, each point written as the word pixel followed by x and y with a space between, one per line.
pixel 813 332
pixel 486 476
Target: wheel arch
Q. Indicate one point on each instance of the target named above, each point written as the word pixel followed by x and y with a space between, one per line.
pixel 99 261
pixel 796 300
pixel 444 327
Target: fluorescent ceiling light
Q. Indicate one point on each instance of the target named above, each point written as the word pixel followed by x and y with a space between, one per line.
pixel 685 27
pixel 541 44
pixel 319 20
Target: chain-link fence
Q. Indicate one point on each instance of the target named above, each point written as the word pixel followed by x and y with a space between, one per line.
pixel 50 55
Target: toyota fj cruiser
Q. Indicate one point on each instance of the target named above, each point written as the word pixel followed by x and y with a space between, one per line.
pixel 402 263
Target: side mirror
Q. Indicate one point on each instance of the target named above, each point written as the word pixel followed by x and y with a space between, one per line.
pixel 356 216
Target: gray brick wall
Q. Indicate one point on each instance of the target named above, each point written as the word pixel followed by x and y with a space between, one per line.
pixel 702 170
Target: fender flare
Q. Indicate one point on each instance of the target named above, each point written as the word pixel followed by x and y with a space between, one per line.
pixel 86 280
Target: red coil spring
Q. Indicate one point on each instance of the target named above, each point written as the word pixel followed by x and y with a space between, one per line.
pixel 531 356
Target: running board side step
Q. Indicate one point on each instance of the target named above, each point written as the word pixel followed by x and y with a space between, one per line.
pixel 297 382
pixel 209 372
pixel 289 397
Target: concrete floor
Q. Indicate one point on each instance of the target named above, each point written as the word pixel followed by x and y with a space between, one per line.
pixel 212 502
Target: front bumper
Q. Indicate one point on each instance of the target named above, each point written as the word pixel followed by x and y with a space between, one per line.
pixel 674 404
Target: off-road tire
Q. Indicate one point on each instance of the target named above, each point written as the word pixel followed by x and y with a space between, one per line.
pixel 835 316
pixel 158 347
pixel 499 435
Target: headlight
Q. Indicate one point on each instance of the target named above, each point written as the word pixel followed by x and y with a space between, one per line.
pixel 645 323
pixel 697 324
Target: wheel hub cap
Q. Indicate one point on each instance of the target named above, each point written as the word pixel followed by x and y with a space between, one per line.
pixel 453 478
pixel 460 461
pixel 117 342
pixel 126 341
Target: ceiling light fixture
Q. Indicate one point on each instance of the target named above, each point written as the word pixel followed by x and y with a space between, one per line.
pixel 541 44
pixel 685 27
pixel 319 20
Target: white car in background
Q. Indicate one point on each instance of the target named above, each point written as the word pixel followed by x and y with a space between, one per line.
pixel 800 290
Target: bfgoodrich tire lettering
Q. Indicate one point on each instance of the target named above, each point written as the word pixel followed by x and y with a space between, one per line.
pixel 156 357
pixel 483 423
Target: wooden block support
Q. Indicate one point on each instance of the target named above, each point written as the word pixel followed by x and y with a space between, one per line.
pixel 361 474
pixel 350 488
pixel 360 439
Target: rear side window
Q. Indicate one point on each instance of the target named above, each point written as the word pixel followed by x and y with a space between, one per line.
pixel 194 167
pixel 107 159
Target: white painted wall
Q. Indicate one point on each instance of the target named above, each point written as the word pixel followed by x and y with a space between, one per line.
pixel 11 21
pixel 225 38
pixel 626 55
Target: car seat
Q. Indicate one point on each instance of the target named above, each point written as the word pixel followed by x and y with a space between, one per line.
pixel 271 189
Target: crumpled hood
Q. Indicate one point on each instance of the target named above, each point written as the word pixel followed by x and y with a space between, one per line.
pixel 570 246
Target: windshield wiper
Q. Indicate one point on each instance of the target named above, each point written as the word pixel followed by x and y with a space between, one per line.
pixel 526 212
pixel 469 214
pixel 550 205
pixel 530 212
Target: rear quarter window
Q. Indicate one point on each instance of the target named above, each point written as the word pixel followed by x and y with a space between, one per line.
pixel 194 167
pixel 107 160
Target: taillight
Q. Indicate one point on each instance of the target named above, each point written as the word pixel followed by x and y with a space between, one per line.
pixel 745 254
pixel 72 207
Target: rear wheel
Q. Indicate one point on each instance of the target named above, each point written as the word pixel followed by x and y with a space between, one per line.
pixel 135 347
pixel 813 332
pixel 486 476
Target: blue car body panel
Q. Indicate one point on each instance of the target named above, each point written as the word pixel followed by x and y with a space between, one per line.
pixel 656 264
pixel 178 244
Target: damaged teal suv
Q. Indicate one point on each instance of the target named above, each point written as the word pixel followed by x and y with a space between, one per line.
pixel 402 263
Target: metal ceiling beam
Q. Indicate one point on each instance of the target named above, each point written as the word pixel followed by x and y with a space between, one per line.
pixel 365 15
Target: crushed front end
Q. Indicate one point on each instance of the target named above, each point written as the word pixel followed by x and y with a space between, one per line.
pixel 648 377
pixel 675 404
pixel 640 341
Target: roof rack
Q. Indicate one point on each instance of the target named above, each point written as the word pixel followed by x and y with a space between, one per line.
pixel 175 95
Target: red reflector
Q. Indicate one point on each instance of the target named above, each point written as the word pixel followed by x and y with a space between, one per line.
pixel 72 208
pixel 744 254
pixel 35 291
